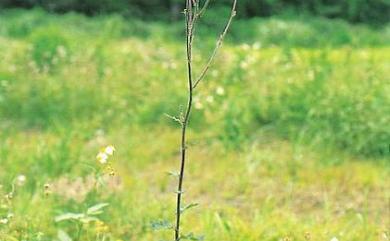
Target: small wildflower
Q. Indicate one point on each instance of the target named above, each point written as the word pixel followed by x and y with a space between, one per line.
pixel 21 180
pixel 111 171
pixel 220 91
pixel 4 221
pixel 9 196
pixel 101 227
pixel 109 150
pixel 102 157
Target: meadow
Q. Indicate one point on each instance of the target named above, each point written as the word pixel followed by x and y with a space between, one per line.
pixel 289 139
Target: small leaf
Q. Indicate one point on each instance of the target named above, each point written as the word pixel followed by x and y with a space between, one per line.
pixel 63 236
pixel 178 120
pixel 182 191
pixel 189 206
pixel 97 209
pixel 161 224
pixel 174 174
pixel 69 216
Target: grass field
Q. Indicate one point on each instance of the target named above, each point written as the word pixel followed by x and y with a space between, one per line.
pixel 289 139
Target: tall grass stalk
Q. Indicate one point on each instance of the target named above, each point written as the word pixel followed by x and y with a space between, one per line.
pixel 192 14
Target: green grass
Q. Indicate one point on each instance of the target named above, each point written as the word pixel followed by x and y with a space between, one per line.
pixel 298 142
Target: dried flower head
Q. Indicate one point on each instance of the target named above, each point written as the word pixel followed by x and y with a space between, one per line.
pixel 47 189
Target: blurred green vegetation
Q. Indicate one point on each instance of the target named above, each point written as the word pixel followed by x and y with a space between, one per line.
pixel 337 97
pixel 291 125
pixel 373 11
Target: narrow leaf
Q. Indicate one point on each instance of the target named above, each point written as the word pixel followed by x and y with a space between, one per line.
pixel 69 216
pixel 189 206
pixel 96 209
pixel 174 174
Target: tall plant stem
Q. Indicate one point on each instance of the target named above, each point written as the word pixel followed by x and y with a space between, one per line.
pixel 193 13
pixel 184 124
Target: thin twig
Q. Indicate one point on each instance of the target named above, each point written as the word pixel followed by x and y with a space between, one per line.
pixel 202 10
pixel 192 13
pixel 217 46
pixel 189 33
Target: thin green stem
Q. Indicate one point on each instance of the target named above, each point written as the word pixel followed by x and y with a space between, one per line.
pixel 217 45
pixel 192 13
pixel 183 146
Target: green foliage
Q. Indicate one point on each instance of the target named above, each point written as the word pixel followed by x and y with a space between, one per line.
pixel 300 108
pixel 88 216
pixel 49 48
pixel 373 11
pixel 292 106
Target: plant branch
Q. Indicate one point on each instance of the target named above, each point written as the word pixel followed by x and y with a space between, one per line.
pixel 218 45
pixel 203 9
pixel 189 38
pixel 192 13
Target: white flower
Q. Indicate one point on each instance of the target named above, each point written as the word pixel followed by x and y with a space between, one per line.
pixel 109 150
pixel 334 239
pixel 102 157
pixel 220 91
pixel 4 221
pixel 21 180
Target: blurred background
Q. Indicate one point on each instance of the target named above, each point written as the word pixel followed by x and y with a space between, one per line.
pixel 374 11
pixel 291 123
